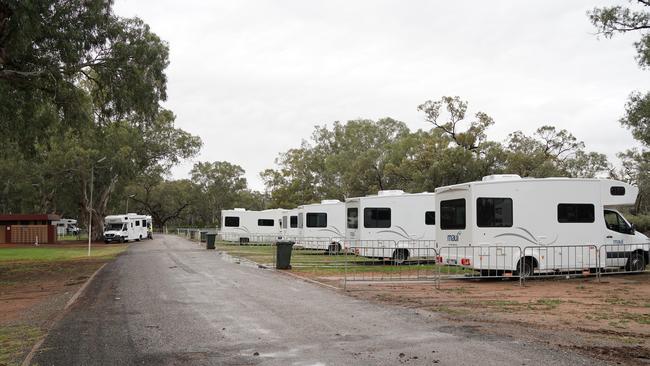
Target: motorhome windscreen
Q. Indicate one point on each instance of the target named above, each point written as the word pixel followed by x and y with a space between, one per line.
pixel 316 219
pixel 575 213
pixel 616 223
pixel 231 221
pixel 452 214
pixel 114 227
pixel 375 218
pixel 494 212
pixel 293 221
pixel 430 218
pixel 353 218
pixel 265 222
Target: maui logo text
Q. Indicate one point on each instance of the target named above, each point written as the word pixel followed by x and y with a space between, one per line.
pixel 453 237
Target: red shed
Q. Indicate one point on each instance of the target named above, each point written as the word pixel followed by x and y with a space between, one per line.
pixel 27 229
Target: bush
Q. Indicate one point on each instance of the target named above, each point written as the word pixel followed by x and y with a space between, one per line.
pixel 642 222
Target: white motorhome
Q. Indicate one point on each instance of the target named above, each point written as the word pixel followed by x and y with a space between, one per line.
pixel 392 224
pixel 126 227
pixel 540 222
pixel 290 228
pixel 66 227
pixel 322 225
pixel 241 225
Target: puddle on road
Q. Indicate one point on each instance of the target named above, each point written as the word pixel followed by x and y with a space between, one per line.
pixel 243 261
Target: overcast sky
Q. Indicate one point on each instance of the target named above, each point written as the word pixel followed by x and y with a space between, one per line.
pixel 252 78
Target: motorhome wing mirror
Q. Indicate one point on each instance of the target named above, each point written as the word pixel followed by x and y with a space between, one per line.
pixel 632 228
pixel 124 229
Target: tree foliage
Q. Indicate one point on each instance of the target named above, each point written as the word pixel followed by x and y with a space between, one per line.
pixel 614 20
pixel 360 157
pixel 79 84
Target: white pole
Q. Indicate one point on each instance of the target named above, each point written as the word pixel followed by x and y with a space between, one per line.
pixel 90 211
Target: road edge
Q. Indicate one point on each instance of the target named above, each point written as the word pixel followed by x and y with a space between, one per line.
pixel 306 279
pixel 28 359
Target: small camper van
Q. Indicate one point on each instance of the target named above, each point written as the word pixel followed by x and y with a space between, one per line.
pixel 127 227
pixel 543 219
pixel 392 224
pixel 322 225
pixel 241 225
pixel 66 227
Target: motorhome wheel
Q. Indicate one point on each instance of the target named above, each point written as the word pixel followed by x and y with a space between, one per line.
pixel 636 262
pixel 526 268
pixel 334 248
pixel 400 256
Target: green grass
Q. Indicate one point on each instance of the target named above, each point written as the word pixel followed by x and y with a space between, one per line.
pixel 30 254
pixel 15 341
pixel 321 263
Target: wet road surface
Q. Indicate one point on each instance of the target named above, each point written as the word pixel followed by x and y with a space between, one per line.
pixel 168 301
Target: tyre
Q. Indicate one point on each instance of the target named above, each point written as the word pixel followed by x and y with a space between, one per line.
pixel 526 268
pixel 400 256
pixel 334 248
pixel 635 262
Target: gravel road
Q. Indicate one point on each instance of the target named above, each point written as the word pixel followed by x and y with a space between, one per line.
pixel 168 301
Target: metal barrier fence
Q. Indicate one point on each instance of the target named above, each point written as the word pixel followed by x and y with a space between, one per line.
pixel 341 261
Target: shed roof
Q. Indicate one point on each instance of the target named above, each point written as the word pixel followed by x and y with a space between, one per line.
pixel 29 217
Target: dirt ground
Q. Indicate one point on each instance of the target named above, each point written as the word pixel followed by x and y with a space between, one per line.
pixel 609 319
pixel 33 294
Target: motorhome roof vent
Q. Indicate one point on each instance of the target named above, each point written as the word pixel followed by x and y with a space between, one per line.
pixel 390 192
pixel 493 177
pixel 324 202
pixel 239 209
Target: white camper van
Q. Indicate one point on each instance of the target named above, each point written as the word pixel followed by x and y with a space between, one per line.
pixel 507 218
pixel 241 225
pixel 290 228
pixel 322 225
pixel 392 224
pixel 66 227
pixel 124 228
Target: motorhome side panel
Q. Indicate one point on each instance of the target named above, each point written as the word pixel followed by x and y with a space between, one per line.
pixel 392 225
pixel 323 226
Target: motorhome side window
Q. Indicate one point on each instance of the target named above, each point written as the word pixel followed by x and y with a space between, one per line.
pixel 300 219
pixel 353 218
pixel 316 219
pixel 293 221
pixel 265 222
pixel 231 221
pixel 284 222
pixel 376 217
pixel 575 213
pixel 137 223
pixel 494 212
pixel 615 222
pixel 430 218
pixel 617 191
pixel 452 214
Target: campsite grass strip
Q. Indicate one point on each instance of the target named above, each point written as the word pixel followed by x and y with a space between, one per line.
pixel 319 262
pixel 52 253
